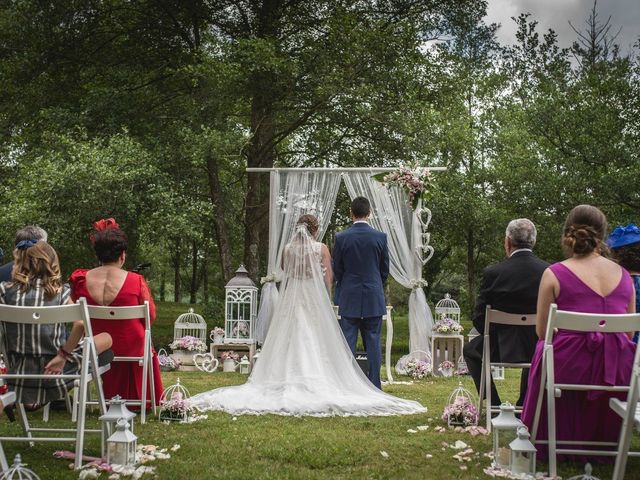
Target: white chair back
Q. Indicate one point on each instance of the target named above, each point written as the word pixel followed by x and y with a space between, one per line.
pixel 146 360
pixel 7 399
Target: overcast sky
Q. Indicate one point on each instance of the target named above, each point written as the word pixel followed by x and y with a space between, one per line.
pixel 557 14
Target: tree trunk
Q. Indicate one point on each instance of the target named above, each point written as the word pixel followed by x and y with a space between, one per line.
pixel 471 272
pixel 221 228
pixel 205 276
pixel 163 285
pixel 194 272
pixel 177 294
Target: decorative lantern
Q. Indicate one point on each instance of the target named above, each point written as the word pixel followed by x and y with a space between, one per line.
pixel 463 369
pixel 174 406
pixel 497 373
pixel 245 365
pixel 190 324
pixel 523 454
pixel 241 304
pixel 448 308
pixel 117 410
pixel 588 469
pixel 18 471
pixel 505 429
pixel 473 333
pixel 461 410
pixel 121 445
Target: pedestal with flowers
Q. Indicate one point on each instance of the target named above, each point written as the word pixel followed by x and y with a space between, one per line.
pixel 446 346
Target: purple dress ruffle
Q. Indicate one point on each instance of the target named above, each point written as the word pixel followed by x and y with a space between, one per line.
pixel 584 358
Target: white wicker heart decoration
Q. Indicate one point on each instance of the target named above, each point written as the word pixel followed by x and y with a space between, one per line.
pixel 420 213
pixel 424 253
pixel 205 362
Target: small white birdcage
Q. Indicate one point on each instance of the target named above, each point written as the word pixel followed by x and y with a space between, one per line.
pixel 461 409
pixel 240 308
pixel 448 308
pixel 18 471
pixel 174 404
pixel 190 324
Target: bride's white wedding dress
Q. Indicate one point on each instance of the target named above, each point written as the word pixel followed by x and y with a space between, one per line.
pixel 306 366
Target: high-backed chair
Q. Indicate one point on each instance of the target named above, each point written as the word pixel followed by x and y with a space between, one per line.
pixel 145 361
pixel 498 317
pixel 88 371
pixel 629 410
pixel 580 322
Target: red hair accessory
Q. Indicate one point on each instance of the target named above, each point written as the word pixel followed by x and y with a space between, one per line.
pixel 104 224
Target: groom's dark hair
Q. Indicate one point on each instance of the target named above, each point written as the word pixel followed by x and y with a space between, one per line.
pixel 360 207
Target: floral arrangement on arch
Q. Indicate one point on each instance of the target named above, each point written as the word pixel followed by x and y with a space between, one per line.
pixel 189 343
pixel 229 354
pixel 240 330
pixel 414 180
pixel 461 412
pixel 418 369
pixel 448 326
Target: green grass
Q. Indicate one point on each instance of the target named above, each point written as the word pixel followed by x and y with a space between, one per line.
pixel 273 447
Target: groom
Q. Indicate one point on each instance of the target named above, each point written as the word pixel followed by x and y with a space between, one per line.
pixel 360 267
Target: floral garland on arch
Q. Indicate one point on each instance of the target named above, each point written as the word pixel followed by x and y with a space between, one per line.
pixel 416 181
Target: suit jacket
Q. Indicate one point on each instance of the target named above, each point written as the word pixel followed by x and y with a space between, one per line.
pixel 5 272
pixel 361 267
pixel 511 286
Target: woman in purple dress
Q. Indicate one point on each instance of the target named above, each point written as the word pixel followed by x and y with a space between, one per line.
pixel 585 282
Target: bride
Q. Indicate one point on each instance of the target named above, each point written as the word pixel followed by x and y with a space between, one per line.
pixel 306 366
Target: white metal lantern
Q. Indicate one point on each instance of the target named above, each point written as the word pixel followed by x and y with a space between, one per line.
pixel 245 365
pixel 117 410
pixel 190 324
pixel 462 408
pixel 448 308
pixel 241 307
pixel 173 403
pixel 121 445
pixel 505 430
pixel 18 471
pixel 523 454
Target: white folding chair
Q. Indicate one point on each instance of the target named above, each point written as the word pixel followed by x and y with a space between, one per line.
pixel 498 317
pixel 7 399
pixel 145 361
pixel 88 371
pixel 629 410
pixel 580 322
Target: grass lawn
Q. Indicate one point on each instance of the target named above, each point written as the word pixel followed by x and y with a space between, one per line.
pixel 272 447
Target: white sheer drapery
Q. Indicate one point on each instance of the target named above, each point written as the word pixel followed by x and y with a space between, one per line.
pixel 392 214
pixel 292 194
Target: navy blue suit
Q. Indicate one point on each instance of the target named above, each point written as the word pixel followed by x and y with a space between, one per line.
pixel 361 267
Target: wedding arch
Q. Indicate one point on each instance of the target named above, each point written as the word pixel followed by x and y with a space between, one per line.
pixel 298 191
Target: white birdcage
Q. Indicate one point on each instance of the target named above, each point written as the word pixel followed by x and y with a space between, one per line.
pixel 448 308
pixel 462 407
pixel 240 308
pixel 18 471
pixel 174 405
pixel 190 324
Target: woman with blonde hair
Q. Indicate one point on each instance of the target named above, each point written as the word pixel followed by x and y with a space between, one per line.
pixel 36 281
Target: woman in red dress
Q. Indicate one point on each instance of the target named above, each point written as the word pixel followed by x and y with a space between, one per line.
pixel 109 284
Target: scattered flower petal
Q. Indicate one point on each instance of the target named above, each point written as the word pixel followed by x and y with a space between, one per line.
pixel 411 430
pixel 428 455
pixel 175 448
pixel 384 454
pixel 422 428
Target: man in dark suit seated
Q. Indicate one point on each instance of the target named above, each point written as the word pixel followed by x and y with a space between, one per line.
pixel 510 286
pixel 30 232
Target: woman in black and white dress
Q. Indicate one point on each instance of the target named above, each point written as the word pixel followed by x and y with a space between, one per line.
pixel 36 281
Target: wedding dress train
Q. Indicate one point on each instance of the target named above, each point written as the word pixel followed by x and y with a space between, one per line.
pixel 306 366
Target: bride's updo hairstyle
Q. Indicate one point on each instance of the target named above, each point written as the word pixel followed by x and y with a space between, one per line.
pixel 584 230
pixel 310 222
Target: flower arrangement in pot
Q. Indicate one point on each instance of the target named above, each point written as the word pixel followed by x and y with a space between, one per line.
pixel 446 368
pixel 462 412
pixel 448 326
pixel 418 369
pixel 241 330
pixel 176 409
pixel 229 361
pixel 217 335
pixel 167 363
pixel 184 348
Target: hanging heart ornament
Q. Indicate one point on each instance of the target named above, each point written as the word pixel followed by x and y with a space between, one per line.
pixel 424 217
pixel 205 362
pixel 424 253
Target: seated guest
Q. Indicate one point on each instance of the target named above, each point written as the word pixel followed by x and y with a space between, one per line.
pixel 624 242
pixel 109 284
pixel 510 286
pixel 30 232
pixel 590 283
pixel 43 348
